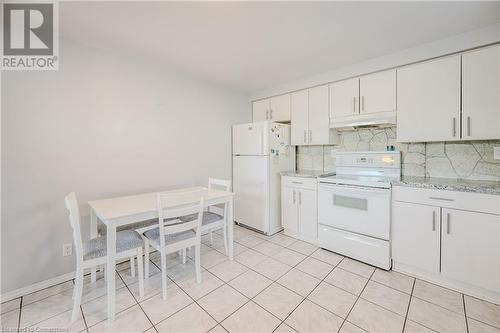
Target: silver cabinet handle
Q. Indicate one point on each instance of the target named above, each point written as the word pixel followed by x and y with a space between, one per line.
pixel 305 136
pixel 468 126
pixel 362 103
pixel 300 198
pixel 294 182
pixel 454 126
pixel 448 223
pixel 271 114
pixel 267 114
pixel 442 199
pixel 433 220
pixel 354 105
pixel 294 197
pixel 310 135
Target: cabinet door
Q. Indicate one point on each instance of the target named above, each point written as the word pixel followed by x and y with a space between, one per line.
pixel 415 235
pixel 280 108
pixel 308 215
pixel 289 218
pixel 344 98
pixel 378 92
pixel 470 248
pixel 428 97
pixel 481 94
pixel 319 119
pixel 260 110
pixel 300 117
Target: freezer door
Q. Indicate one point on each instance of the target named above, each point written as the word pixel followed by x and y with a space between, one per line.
pixel 251 188
pixel 251 138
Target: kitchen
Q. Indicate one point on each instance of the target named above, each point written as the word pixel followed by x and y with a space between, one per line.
pixel 332 168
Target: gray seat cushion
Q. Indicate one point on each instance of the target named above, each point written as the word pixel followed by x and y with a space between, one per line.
pixel 125 240
pixel 154 236
pixel 208 217
pixel 101 228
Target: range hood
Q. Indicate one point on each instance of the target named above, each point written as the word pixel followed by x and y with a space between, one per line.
pixel 379 119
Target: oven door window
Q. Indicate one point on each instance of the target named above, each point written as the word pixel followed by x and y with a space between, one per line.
pixel 350 202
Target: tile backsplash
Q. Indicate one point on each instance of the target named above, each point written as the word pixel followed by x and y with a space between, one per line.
pixel 466 160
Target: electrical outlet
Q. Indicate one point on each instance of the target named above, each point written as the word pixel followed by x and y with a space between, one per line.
pixel 67 249
pixel 496 153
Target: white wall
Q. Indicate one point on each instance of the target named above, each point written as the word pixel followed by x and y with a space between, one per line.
pixel 102 126
pixel 438 48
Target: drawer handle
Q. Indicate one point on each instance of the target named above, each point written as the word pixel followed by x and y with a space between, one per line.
pixel 442 199
pixel 300 183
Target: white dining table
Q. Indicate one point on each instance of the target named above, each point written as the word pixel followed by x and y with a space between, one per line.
pixel 120 211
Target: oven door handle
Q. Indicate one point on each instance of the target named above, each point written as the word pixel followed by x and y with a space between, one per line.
pixel 352 188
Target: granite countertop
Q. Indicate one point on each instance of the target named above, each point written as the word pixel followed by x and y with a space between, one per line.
pixel 307 173
pixel 462 185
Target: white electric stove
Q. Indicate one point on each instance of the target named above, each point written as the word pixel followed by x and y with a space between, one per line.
pixel 354 206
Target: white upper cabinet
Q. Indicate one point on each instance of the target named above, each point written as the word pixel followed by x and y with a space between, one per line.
pixel 344 98
pixel 319 129
pixel 275 109
pixel 310 120
pixel 378 92
pixel 280 108
pixel 261 110
pixel 300 117
pixel 428 101
pixel 481 94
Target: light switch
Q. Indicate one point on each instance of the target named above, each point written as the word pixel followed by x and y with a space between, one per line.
pixel 496 153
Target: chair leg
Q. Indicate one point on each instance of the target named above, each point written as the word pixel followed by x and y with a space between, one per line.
pixel 78 294
pixel 197 262
pixel 211 239
pixel 224 228
pixel 132 266
pixel 140 271
pixel 146 259
pixel 184 252
pixel 164 275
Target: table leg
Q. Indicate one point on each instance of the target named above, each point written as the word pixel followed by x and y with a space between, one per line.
pixel 93 234
pixel 111 266
pixel 230 227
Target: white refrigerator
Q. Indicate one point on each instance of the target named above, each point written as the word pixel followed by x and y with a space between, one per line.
pixel 261 150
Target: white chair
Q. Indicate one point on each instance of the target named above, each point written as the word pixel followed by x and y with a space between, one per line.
pixel 93 252
pixel 174 235
pixel 211 220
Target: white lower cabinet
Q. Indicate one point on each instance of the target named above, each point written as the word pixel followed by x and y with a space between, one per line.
pixel 470 247
pixel 415 235
pixel 299 208
pixel 289 214
pixel 450 238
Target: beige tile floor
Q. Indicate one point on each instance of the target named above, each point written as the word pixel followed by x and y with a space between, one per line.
pixel 275 284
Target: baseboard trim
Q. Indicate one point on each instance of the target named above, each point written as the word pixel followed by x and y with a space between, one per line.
pixel 36 287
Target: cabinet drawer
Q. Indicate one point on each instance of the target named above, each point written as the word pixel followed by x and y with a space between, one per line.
pixel 478 202
pixel 299 182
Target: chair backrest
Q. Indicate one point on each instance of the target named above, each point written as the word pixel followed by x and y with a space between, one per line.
pixel 221 184
pixel 71 204
pixel 175 204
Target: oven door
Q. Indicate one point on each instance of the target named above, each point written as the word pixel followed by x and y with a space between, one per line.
pixel 362 210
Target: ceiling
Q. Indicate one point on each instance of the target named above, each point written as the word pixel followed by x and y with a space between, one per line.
pixel 251 46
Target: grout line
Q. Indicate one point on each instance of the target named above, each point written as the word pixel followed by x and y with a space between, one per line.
pixel 465 314
pixel 357 299
pixel 20 310
pixel 409 303
pixel 189 297
pixel 133 296
pixel 306 297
